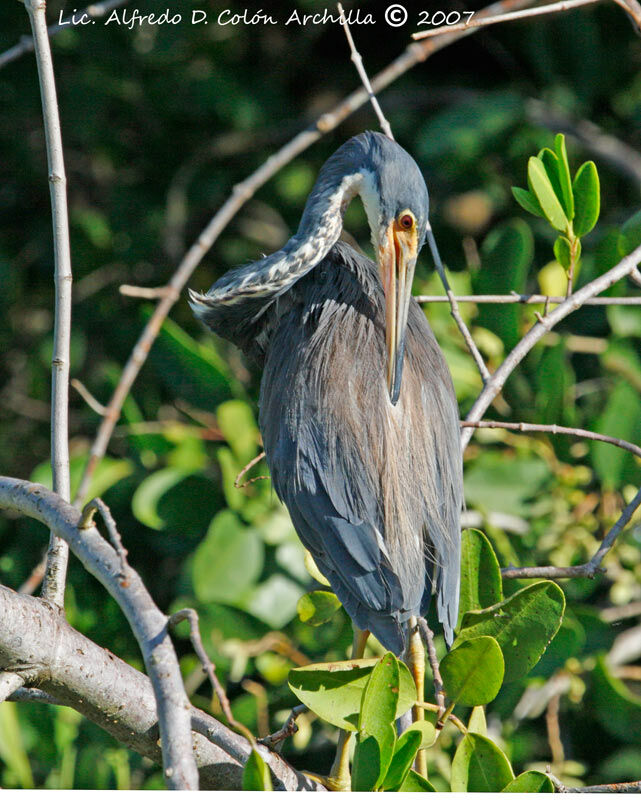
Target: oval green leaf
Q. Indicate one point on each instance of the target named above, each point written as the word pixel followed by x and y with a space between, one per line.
pixel 427 731
pixel 527 201
pixel 564 175
pixel 530 781
pixel 617 708
pixel 473 671
pixel 256 775
pixel 334 691
pixel 477 722
pixel 372 758
pixel 542 189
pixel 144 503
pixel 523 625
pixel 416 783
pixel 563 252
pixel 481 584
pixel 380 698
pixel 316 608
pixel 587 198
pixel 480 766
pixel 404 754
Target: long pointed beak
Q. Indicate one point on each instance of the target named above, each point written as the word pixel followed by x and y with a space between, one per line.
pixel 397 260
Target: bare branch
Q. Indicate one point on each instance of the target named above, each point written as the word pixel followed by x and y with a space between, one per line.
pixel 589 569
pixel 473 22
pixel 572 303
pixel 428 637
pixel 69 669
pixel 149 293
pixel 86 395
pixel 603 788
pixel 147 622
pixel 54 580
pixel 246 468
pixel 208 667
pixel 526 299
pixel 526 427
pixel 414 54
pixel 275 740
pixel 360 68
pixel 26 44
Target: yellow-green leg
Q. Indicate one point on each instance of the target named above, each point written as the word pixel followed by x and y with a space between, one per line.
pixel 416 663
pixel 339 778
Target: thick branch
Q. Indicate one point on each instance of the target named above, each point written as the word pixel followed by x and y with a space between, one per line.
pixel 70 669
pixel 58 555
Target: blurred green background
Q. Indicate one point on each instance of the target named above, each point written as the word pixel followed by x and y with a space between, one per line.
pixel 159 123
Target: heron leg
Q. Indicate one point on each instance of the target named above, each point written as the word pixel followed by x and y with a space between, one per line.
pixel 416 663
pixel 339 778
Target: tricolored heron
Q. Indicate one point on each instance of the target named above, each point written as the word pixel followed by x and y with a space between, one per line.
pixel 357 410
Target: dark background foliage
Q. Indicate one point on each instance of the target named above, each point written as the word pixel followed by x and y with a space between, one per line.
pixel 159 123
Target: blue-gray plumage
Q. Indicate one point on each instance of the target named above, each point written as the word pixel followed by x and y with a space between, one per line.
pixel 357 410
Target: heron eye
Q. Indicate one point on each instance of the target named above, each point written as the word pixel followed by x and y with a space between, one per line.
pixel 406 221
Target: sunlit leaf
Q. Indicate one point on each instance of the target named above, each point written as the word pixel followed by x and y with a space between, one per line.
pixel 416 783
pixel 523 625
pixel 527 201
pixel 481 584
pixel 565 180
pixel 316 608
pixel 542 188
pixel 404 754
pixel 256 775
pixel 531 781
pixel 587 198
pixel 334 691
pixel 480 766
pixel 238 426
pixel 145 501
pixel 473 671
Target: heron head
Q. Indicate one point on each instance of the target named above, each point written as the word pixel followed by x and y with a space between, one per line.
pixel 396 202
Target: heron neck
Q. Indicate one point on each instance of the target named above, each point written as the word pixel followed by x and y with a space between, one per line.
pixel 319 229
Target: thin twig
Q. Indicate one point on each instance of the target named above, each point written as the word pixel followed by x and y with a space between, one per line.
pixel 554 730
pixel 208 667
pixel 593 566
pixel 414 54
pixel 53 588
pixel 86 521
pixel 527 427
pixel 360 68
pixel 26 44
pixel 494 385
pixel 467 336
pixel 451 717
pixel 274 740
pixel 428 638
pixel 525 299
pixel 148 293
pixel 86 395
pixel 553 8
pixel 602 788
pixel 245 470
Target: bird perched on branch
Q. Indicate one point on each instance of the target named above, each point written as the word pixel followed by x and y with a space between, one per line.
pixel 357 410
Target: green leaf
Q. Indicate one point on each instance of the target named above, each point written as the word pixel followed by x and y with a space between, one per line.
pixel 630 236
pixel 372 757
pixel 617 708
pixel 256 775
pixel 479 766
pixel 523 625
pixel 144 503
pixel 380 698
pixel 550 161
pixel 506 256
pixel 228 561
pixel 312 569
pixel 564 176
pixel 527 201
pixel 530 781
pixel 274 601
pixel 587 198
pixel 316 608
pixel 620 418
pixel 334 691
pixel 416 783
pixel 563 252
pixel 12 749
pixel 473 671
pixel 477 722
pixel 236 421
pixel 481 584
pixel 542 188
pixel 107 474
pixel 427 731
pixel 404 754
